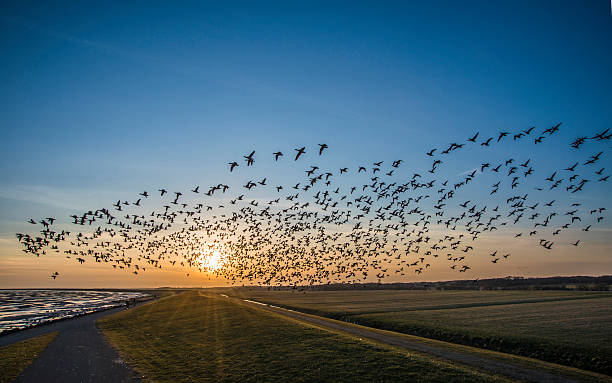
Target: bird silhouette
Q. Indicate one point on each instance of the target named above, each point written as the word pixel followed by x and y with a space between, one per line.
pixel 300 151
pixel 322 147
pixel 249 159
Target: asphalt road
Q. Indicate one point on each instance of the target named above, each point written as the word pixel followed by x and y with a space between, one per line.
pixel 79 353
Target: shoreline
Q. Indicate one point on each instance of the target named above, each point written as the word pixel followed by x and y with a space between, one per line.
pixel 13 331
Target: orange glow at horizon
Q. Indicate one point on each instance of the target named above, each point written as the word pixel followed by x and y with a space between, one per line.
pixel 212 261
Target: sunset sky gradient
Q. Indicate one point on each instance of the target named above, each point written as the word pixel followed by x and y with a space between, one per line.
pixel 103 101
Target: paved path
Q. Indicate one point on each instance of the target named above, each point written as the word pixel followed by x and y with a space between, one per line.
pixel 79 353
pixel 437 349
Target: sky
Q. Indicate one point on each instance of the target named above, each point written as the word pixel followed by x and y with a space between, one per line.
pixel 101 101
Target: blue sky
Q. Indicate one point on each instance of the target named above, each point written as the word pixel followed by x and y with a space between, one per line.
pixel 102 101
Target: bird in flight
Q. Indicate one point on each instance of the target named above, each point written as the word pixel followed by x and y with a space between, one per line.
pixel 528 130
pixel 502 135
pixel 379 207
pixel 249 159
pixel 299 151
pixel 486 143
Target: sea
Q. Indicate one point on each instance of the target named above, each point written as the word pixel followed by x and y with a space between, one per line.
pixel 20 309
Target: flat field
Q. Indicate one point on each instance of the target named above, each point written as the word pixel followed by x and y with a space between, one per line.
pixel 194 337
pixel 571 328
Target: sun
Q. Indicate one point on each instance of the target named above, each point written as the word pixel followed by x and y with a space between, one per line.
pixel 212 261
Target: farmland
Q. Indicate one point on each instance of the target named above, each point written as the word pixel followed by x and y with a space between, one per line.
pixel 194 337
pixel 571 328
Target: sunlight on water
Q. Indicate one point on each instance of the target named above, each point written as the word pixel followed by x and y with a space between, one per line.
pixel 26 308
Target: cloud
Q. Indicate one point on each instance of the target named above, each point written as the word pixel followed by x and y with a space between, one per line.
pixel 100 47
pixel 237 82
pixel 469 171
pixel 67 198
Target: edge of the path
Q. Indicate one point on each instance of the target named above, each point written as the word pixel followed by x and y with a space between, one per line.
pixel 502 363
pixel 18 335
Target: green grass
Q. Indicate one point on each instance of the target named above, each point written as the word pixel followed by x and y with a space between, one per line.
pixel 570 328
pixel 372 301
pixel 15 357
pixel 191 337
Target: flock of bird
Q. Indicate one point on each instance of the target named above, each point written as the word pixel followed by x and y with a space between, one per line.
pixel 324 229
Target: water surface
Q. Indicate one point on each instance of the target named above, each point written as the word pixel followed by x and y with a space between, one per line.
pixel 26 308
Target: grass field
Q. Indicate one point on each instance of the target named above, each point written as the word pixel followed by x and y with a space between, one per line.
pixel 191 337
pixel 15 357
pixel 571 328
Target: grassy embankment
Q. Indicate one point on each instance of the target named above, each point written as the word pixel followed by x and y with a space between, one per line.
pixel 15 357
pixel 570 328
pixel 191 337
